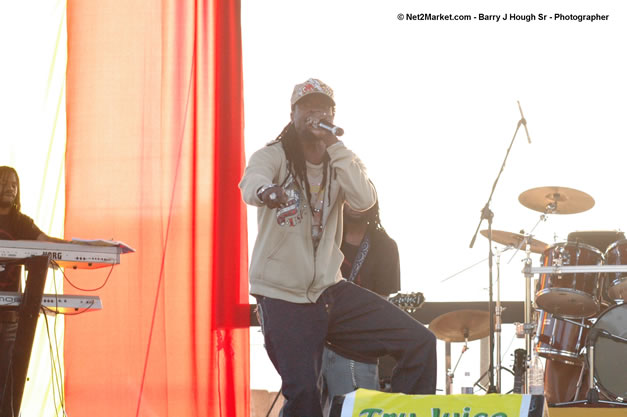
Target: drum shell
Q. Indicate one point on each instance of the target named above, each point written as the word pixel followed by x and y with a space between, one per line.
pixel 614 285
pixel 561 379
pixel 560 340
pixel 573 295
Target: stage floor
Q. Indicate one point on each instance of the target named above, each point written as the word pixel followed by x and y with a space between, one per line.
pixel 587 412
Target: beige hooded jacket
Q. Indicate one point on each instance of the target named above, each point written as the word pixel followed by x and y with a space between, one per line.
pixel 284 264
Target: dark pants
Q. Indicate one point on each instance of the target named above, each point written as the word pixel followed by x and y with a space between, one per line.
pixel 351 318
pixel 8 331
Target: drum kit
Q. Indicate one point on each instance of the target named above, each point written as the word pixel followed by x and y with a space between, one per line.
pixel 579 304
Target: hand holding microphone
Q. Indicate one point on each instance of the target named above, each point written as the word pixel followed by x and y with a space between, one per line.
pixel 326 125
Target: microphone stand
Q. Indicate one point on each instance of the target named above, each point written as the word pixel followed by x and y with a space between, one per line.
pixel 486 214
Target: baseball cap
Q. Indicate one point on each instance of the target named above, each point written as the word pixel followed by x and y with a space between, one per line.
pixel 311 86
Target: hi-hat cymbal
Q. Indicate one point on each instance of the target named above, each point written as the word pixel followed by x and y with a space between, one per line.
pixel 461 325
pixel 556 200
pixel 514 239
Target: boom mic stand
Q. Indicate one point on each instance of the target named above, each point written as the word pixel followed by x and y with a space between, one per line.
pixel 486 214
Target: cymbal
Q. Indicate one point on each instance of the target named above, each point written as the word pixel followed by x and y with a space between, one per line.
pixel 457 326
pixel 556 200
pixel 514 239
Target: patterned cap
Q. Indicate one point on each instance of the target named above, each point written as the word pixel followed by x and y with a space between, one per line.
pixel 311 86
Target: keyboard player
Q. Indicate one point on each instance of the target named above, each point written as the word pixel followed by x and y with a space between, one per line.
pixel 14 225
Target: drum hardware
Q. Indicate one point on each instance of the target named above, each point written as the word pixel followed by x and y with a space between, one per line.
pixel 528 239
pixel 580 381
pixel 506 238
pixel 523 329
pixel 477 383
pixel 487 214
pixel 561 270
pixel 450 373
pixel 556 200
pixel 530 245
pixel 527 329
pixel 576 323
pixel 528 323
pixel 459 326
pixel 547 200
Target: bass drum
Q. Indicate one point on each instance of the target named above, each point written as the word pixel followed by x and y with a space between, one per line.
pixel 561 379
pixel 609 354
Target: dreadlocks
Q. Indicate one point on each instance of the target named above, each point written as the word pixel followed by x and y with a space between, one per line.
pixel 373 219
pixel 295 156
pixel 5 174
pixel 370 217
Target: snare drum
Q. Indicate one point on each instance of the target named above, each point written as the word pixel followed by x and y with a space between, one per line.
pixel 560 340
pixel 573 295
pixel 615 284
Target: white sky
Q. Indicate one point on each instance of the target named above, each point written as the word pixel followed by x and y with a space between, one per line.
pixel 430 107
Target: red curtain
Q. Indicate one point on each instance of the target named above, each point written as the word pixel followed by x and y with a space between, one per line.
pixel 154 155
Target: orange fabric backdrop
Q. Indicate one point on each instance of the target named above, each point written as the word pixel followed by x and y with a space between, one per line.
pixel 154 154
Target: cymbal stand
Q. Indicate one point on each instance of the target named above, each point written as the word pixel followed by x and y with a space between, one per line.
pixel 499 309
pixel 481 387
pixel 450 373
pixel 498 312
pixel 529 327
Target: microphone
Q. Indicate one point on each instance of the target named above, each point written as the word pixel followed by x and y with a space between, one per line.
pixel 523 121
pixel 337 131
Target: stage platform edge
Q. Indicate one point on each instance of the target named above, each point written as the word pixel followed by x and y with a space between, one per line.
pixel 587 411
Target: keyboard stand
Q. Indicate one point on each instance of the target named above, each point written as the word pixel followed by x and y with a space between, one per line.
pixel 37 270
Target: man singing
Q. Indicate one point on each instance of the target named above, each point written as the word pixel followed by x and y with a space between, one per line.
pixel 300 182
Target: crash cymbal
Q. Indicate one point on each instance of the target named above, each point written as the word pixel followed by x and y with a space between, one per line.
pixel 457 326
pixel 514 239
pixel 556 200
